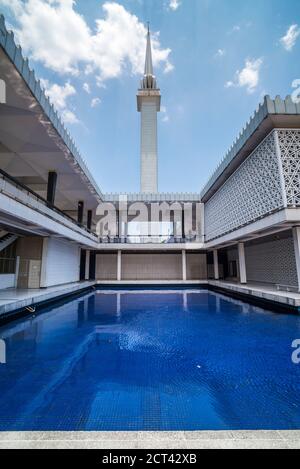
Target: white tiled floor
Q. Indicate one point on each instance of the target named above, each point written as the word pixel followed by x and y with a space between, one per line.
pixel 262 291
pixel 13 299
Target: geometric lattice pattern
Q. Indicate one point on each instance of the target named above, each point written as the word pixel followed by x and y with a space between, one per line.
pixel 289 142
pixel 252 192
pixel 272 261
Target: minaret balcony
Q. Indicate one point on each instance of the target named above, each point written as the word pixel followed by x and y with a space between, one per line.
pixel 148 95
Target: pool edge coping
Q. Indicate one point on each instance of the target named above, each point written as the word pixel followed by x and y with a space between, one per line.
pixel 237 439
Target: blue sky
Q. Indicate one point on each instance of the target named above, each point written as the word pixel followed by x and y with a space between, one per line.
pixel 214 61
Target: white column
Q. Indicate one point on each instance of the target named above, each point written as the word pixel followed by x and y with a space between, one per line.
pixel 184 265
pixel 216 265
pixel 242 263
pixel 119 266
pixel 87 265
pixel 43 280
pixel 296 236
pixel 17 270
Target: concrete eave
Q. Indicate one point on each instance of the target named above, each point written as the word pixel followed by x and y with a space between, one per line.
pixel 270 115
pixel 279 221
pixel 50 117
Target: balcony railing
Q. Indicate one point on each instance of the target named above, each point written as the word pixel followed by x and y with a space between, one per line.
pixel 27 190
pixel 162 239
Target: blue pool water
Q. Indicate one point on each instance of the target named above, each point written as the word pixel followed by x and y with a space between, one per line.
pixel 151 361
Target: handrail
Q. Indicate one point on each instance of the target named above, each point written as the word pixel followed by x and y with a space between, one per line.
pixel 22 186
pixel 163 239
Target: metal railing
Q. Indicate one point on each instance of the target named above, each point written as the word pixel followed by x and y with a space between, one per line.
pixel 24 188
pixel 162 239
pixel 7 266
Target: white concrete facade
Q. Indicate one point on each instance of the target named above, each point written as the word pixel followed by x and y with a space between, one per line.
pixel 149 161
pixel 27 210
pixel 60 262
pixel 7 281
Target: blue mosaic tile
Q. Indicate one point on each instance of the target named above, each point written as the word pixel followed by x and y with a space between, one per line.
pixel 156 362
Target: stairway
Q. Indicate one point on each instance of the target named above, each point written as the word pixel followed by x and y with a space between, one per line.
pixel 6 240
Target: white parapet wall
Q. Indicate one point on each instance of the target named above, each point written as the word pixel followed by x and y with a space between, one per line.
pixel 60 262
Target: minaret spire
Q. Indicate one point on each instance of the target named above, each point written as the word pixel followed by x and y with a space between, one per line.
pixel 148 62
pixel 148 104
pixel 149 80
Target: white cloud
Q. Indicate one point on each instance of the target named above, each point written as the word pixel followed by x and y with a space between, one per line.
pixel 86 88
pixel 58 96
pixel 121 39
pixel 95 102
pixel 174 4
pixel 165 115
pixel 289 40
pixel 14 5
pixel 235 29
pixel 168 67
pixel 53 33
pixel 220 53
pixel 69 117
pixel 248 77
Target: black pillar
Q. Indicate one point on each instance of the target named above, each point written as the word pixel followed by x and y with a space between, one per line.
pixel 91 308
pixel 89 219
pixel 82 264
pixel 51 187
pixel 92 272
pixel 183 222
pixel 80 313
pixel 80 213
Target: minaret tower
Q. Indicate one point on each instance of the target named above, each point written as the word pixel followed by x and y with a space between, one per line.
pixel 148 104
